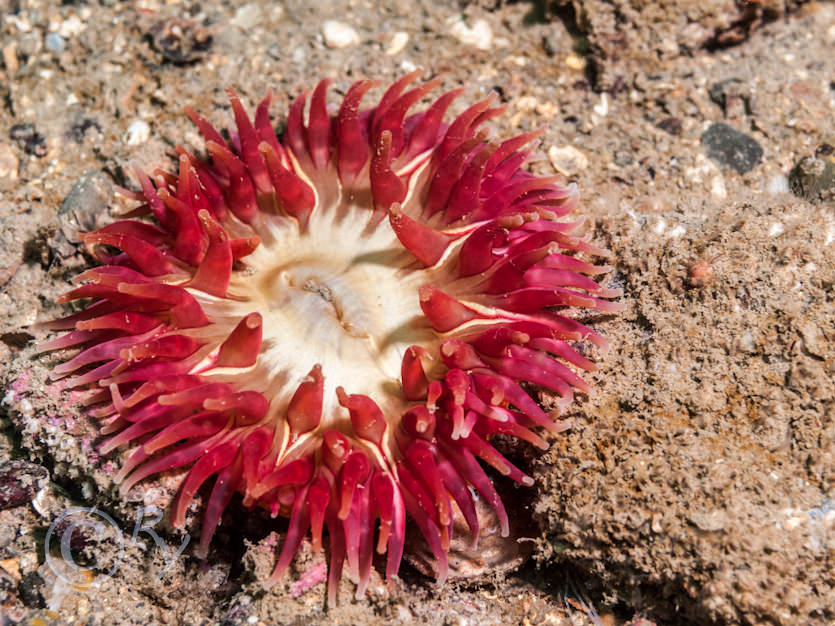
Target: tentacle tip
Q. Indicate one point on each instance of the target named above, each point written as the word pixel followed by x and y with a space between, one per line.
pixel 254 320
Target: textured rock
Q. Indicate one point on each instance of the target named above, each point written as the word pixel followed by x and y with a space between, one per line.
pixel 628 36
pixel 706 470
pixel 731 148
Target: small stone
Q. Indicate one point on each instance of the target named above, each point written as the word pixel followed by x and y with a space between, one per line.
pixel 247 16
pixel 526 103
pixel 8 162
pixel 339 35
pixel 717 188
pixel 670 125
pixel 747 342
pixel 602 108
pixel 137 133
pixel 11 567
pixel 567 160
pixel 813 178
pixel 552 43
pixel 398 42
pixel 10 58
pixel 71 27
pixel 54 43
pixel 480 35
pixel 731 148
pixel 622 159
pixel 575 62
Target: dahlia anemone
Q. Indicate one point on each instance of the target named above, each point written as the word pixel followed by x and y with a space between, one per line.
pixel 336 322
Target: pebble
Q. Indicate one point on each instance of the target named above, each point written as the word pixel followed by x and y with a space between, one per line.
pixel 54 42
pixel 247 16
pixel 575 62
pixel 137 133
pixel 480 35
pixel 339 35
pixel 813 178
pixel 717 188
pixel 602 108
pixel 552 43
pixel 670 125
pixel 567 160
pixel 71 27
pixel 10 58
pixel 398 42
pixel 8 162
pixel 527 103
pixel 730 148
pixel 11 567
pixel 622 158
pixel 747 342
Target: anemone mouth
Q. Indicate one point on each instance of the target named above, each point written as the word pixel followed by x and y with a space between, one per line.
pixel 353 311
pixel 334 324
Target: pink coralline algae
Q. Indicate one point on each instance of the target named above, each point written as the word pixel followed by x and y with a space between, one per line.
pixel 335 322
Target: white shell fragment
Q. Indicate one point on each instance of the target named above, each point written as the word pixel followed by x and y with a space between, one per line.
pixel 398 42
pixel 137 133
pixel 567 160
pixel 479 35
pixel 339 35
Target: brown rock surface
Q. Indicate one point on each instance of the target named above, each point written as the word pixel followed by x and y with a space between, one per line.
pixel 628 36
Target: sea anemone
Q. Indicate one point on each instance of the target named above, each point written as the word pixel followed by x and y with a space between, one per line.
pixel 336 322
